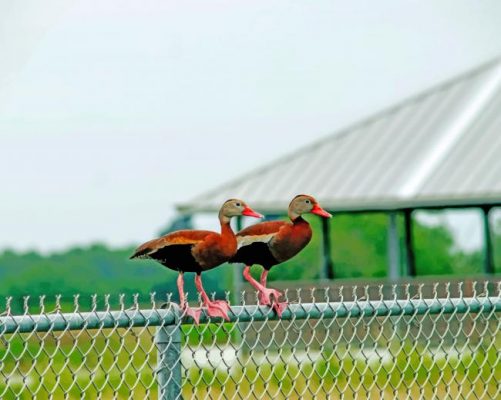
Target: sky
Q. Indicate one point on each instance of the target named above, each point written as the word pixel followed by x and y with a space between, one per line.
pixel 113 112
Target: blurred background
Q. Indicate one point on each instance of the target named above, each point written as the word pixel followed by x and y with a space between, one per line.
pixel 120 121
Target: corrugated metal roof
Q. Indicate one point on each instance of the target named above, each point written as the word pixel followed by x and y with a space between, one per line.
pixel 442 147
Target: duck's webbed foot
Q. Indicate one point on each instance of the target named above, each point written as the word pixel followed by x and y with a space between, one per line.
pixel 267 296
pixel 270 297
pixel 218 308
pixel 192 312
pixel 215 308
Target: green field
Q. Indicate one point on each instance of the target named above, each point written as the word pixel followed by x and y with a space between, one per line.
pixel 285 360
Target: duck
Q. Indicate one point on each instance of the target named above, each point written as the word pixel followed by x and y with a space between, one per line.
pixel 273 242
pixel 197 251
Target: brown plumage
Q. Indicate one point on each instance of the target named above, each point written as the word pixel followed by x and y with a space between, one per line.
pixel 190 250
pixel 198 251
pixel 271 243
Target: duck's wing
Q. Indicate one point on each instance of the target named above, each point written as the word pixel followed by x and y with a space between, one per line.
pixel 262 232
pixel 184 237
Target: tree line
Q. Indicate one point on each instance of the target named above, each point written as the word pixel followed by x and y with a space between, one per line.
pixel 359 250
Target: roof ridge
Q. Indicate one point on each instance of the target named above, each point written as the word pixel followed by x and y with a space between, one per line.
pixel 452 133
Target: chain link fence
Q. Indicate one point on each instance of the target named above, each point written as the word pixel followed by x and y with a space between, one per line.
pixel 381 342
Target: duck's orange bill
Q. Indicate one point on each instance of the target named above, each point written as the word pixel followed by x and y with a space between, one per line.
pixel 320 211
pixel 249 212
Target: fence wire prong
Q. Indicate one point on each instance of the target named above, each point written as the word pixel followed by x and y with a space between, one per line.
pixel 42 303
pixel 76 305
pixel 121 301
pixel 26 305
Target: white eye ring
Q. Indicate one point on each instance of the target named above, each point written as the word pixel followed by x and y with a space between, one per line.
pixel 307 201
pixel 238 204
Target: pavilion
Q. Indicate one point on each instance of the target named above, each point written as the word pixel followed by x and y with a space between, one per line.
pixel 439 149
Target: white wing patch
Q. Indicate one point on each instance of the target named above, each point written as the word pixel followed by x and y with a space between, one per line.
pixel 247 240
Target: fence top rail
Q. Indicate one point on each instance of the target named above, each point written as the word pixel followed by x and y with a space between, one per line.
pixel 172 315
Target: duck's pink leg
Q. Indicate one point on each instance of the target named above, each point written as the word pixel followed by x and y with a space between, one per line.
pixel 217 308
pixel 265 294
pixel 277 306
pixel 191 312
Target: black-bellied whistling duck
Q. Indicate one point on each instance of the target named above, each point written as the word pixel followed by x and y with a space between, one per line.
pixel 198 251
pixel 271 243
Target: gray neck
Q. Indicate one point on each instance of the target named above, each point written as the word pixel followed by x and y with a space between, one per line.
pixel 223 219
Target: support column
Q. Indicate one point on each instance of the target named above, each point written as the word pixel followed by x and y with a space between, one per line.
pixel 168 341
pixel 393 247
pixel 328 265
pixel 237 271
pixel 488 257
pixel 409 243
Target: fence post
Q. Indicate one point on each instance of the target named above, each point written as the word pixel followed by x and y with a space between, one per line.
pixel 168 341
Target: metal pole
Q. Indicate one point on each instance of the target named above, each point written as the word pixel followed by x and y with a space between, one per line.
pixel 168 341
pixel 488 258
pixel 393 247
pixel 238 283
pixel 328 265
pixel 409 244
pixel 27 323
pixel 238 271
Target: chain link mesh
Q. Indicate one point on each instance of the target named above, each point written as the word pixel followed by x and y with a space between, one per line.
pixel 332 343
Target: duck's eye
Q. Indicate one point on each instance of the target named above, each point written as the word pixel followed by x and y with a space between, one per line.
pixel 308 201
pixel 238 204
